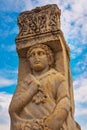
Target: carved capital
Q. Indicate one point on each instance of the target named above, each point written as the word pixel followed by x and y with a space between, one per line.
pixel 39 21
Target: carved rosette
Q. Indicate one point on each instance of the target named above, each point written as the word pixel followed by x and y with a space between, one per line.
pixel 39 21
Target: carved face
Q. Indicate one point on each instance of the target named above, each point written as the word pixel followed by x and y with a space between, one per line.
pixel 38 59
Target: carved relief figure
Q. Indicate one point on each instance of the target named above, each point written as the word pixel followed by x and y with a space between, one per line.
pixel 42 99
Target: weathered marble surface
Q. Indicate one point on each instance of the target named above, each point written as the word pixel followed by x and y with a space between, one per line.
pixel 43 99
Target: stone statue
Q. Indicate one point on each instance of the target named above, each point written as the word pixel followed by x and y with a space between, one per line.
pixel 43 99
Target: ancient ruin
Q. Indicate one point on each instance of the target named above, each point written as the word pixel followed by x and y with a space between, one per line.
pixel 43 99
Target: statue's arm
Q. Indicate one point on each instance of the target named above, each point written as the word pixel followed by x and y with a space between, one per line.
pixel 23 95
pixel 60 113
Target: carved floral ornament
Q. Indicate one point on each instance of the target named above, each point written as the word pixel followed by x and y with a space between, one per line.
pixel 39 21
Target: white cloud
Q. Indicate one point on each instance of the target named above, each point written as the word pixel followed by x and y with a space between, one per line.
pixel 8 73
pixel 4 127
pixel 8 77
pixel 6 82
pixel 81 111
pixel 75 50
pixel 10 5
pixel 4 116
pixel 81 89
pixel 81 116
pixel 28 4
pixel 77 15
pixel 81 66
pixel 84 127
pixel 80 92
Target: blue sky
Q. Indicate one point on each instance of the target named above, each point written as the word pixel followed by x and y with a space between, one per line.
pixel 74 27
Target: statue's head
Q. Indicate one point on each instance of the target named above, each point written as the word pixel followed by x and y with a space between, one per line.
pixel 40 56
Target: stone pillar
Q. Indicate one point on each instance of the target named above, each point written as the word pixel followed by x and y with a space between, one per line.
pixel 42 26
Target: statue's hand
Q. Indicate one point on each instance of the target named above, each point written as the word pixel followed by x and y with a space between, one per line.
pixel 37 125
pixel 23 125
